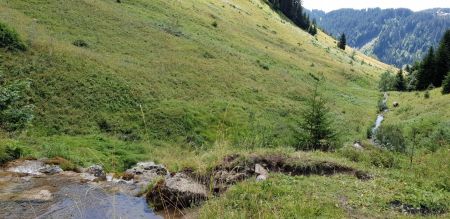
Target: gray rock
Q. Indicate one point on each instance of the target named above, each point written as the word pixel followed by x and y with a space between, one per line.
pixel 178 191
pixel 357 145
pixel 145 167
pixel 263 173
pixel 261 178
pixel 259 169
pixel 97 171
pixel 51 169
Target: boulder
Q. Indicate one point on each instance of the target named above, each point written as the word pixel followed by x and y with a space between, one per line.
pixel 142 174
pixel 94 173
pixel 146 167
pixel 178 192
pixel 96 170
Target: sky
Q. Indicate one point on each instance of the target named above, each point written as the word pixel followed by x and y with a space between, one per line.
pixel 415 5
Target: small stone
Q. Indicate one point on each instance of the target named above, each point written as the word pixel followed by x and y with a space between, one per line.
pixel 260 170
pixel 261 178
pixel 51 169
pixel 357 145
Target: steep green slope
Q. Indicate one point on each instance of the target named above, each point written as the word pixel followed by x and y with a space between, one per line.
pixel 161 70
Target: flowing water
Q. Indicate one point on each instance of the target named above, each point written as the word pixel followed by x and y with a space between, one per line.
pixel 25 193
pixel 380 118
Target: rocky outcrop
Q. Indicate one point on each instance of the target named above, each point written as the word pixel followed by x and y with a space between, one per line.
pixel 177 192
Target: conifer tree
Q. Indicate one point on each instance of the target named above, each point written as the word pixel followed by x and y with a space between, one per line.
pixel 399 84
pixel 408 69
pixel 446 84
pixel 342 42
pixel 442 60
pixel 426 71
pixel 316 128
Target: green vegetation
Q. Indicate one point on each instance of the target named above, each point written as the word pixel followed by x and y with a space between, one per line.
pixel 399 84
pixel 293 9
pixel 15 110
pixel 342 42
pixel 10 40
pixel 446 85
pixel 114 84
pixel 395 36
pixel 316 131
pixel 387 82
pixel 435 66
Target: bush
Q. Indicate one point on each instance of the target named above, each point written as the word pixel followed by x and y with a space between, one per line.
pixel 15 111
pixel 214 24
pixel 375 157
pixel 8 153
pixel 391 137
pixel 386 82
pixel 426 95
pixel 10 40
pixel 80 43
pixel 382 158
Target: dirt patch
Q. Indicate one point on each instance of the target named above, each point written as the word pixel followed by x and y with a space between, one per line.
pixel 187 188
pixel 235 168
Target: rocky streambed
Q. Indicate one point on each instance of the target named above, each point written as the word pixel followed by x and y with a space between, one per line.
pixel 36 189
pixel 33 189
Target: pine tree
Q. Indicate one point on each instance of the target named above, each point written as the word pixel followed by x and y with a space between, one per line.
pixel 442 60
pixel 399 84
pixel 408 69
pixel 446 84
pixel 342 42
pixel 426 71
pixel 316 128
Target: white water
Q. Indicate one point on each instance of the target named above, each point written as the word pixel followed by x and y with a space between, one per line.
pixel 380 117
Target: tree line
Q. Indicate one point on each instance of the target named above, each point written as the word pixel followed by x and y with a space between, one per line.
pixel 293 10
pixel 432 71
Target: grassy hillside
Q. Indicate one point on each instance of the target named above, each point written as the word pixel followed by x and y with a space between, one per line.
pixel 429 118
pixel 161 70
pixel 185 83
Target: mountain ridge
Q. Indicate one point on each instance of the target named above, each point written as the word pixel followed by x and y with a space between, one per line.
pixel 404 36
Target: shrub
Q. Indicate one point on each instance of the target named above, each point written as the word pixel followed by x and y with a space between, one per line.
pixel 391 137
pixel 386 82
pixel 214 24
pixel 426 95
pixel 10 40
pixel 80 43
pixel 381 158
pixel 263 65
pixel 8 153
pixel 15 111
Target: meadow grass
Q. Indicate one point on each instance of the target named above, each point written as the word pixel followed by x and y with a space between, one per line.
pixel 157 81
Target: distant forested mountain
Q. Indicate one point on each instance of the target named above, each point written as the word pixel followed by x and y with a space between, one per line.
pixel 395 36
